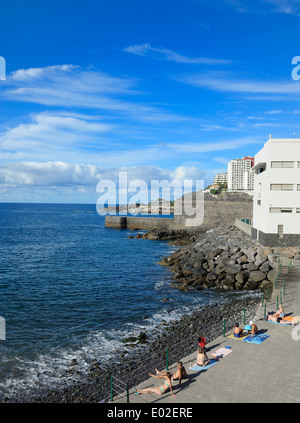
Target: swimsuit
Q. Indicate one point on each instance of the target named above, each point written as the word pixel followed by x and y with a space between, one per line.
pixel 162 388
pixel 237 335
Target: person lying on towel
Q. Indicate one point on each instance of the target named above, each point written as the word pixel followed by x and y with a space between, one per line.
pixel 276 319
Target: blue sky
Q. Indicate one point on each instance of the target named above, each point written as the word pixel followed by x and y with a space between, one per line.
pixel 161 89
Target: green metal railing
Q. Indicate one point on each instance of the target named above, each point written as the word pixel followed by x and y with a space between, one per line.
pixel 248 221
pixel 122 386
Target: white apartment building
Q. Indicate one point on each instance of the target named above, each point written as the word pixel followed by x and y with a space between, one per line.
pixel 240 176
pixel 221 178
pixel 276 200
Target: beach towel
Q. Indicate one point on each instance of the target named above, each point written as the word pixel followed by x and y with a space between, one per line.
pixel 279 323
pixel 221 352
pixel 201 368
pixel 289 318
pixel 241 338
pixel 256 339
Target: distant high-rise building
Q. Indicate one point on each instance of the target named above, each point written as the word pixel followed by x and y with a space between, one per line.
pixel 240 175
pixel 221 178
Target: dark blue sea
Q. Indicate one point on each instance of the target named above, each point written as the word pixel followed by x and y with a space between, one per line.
pixel 71 288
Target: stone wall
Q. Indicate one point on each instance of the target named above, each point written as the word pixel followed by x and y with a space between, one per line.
pixel 272 240
pixel 148 223
pixel 228 207
pixel 142 223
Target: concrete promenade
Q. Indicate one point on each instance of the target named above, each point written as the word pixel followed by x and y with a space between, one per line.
pixel 253 373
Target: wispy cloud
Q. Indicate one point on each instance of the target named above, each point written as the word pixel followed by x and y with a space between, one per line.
pixel 229 144
pixel 52 135
pixel 288 7
pixel 70 86
pixel 224 82
pixel 170 55
pixel 214 127
pixel 273 112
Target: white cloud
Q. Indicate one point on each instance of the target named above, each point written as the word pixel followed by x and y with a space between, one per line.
pixel 230 144
pixel 82 88
pixel 170 55
pixel 288 7
pixel 48 136
pixel 273 112
pixel 81 176
pixel 251 89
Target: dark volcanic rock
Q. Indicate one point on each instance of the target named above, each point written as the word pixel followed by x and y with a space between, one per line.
pixel 222 252
pixel 180 337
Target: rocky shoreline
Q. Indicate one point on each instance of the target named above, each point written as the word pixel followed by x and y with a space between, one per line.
pixel 226 258
pixel 174 340
pixel 221 258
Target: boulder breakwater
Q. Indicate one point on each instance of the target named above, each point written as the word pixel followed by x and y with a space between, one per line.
pixel 226 258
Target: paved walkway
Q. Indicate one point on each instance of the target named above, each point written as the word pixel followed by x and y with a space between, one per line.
pixel 264 373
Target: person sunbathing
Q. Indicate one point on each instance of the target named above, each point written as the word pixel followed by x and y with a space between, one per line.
pixel 282 320
pixel 237 331
pixel 159 389
pixel 280 312
pixel 178 375
pixel 254 329
pixel 202 359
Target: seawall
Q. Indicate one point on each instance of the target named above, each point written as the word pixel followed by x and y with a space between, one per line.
pixel 146 223
pixel 227 208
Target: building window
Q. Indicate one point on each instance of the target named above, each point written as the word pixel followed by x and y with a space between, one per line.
pixel 259 202
pixel 285 164
pixel 282 187
pixel 298 187
pixel 297 210
pixel 280 210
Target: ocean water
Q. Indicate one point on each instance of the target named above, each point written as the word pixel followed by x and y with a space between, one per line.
pixel 71 288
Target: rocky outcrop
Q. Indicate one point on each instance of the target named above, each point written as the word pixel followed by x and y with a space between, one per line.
pixel 176 237
pixel 226 258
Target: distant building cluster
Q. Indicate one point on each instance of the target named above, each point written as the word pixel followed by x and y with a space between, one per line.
pixel 221 178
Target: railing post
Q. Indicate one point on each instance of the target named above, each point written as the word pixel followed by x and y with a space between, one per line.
pixel 167 359
pixel 244 316
pixel 127 391
pixel 111 388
